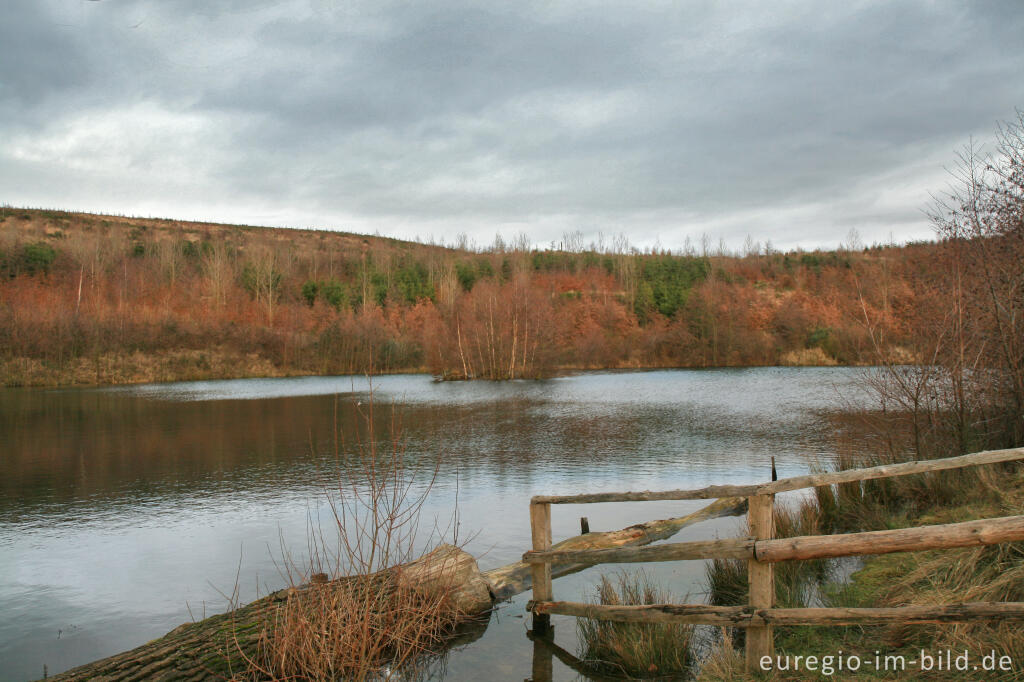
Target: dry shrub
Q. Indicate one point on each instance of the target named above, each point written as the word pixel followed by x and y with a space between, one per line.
pixel 871 438
pixel 350 613
pixel 360 628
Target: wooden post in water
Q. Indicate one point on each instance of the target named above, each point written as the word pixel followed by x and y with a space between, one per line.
pixel 584 525
pixel 540 529
pixel 761 578
pixel 543 667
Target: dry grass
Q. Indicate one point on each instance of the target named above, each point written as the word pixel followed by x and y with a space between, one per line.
pixel 360 629
pixel 137 368
pixel 994 573
pixel 724 664
pixel 807 357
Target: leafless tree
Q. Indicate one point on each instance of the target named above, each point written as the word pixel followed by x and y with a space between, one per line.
pixel 981 220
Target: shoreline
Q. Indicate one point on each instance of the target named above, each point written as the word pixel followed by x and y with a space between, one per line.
pixel 218 364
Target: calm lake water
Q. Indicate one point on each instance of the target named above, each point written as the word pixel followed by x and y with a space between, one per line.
pixel 125 512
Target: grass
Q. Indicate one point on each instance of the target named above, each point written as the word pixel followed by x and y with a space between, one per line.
pixel 893 580
pixel 137 367
pixel 635 650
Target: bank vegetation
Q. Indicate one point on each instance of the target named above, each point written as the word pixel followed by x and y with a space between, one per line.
pixel 93 299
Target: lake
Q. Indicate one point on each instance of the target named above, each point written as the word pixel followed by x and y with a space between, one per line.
pixel 127 511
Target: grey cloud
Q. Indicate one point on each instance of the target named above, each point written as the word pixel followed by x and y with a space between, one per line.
pixel 660 118
pixel 39 59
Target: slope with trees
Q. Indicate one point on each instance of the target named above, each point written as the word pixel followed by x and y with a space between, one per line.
pixel 92 299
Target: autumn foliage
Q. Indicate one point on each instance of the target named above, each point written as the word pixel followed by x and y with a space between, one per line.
pixel 103 299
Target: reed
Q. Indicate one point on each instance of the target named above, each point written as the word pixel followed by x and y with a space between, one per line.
pixel 794 580
pixel 635 650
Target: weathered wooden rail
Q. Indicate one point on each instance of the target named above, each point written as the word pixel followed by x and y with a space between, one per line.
pixel 762 550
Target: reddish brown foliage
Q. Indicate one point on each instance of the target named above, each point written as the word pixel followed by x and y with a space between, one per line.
pixel 79 286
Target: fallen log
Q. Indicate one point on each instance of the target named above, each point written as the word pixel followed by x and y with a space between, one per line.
pixel 217 647
pixel 514 578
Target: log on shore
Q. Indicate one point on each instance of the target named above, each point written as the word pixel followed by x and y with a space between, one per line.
pixel 515 578
pixel 217 647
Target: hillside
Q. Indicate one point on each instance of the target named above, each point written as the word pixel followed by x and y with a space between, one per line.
pixel 93 299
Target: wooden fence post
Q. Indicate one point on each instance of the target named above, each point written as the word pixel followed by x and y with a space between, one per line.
pixel 761 578
pixel 540 529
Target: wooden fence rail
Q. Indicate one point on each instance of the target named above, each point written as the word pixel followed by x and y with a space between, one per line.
pixel 795 483
pixel 762 550
pixel 944 536
pixel 748 616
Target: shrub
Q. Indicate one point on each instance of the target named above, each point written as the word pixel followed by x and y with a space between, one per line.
pixel 310 289
pixel 335 293
pixel 350 628
pixel 37 257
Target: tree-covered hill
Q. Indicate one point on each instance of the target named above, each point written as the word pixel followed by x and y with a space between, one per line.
pixel 103 299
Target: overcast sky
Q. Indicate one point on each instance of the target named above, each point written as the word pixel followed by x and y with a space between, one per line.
pixel 793 122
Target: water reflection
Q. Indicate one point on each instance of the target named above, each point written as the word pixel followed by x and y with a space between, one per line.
pixel 119 506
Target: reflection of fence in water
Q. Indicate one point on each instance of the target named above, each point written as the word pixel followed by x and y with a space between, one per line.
pixel 762 550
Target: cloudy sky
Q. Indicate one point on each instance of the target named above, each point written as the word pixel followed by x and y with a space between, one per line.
pixel 794 122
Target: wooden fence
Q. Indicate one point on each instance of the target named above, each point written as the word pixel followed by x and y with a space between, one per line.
pixel 762 550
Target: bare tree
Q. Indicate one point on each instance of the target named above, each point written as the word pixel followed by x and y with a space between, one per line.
pixel 966 391
pixel 981 220
pixel 219 271
pixel 262 276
